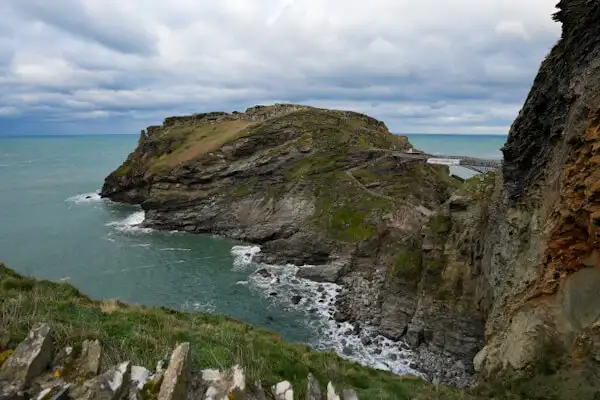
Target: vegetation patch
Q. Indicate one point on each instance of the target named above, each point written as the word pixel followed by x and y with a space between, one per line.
pixel 440 224
pixel 407 265
pixel 345 211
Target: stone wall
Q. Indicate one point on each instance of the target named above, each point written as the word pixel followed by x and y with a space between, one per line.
pixel 36 370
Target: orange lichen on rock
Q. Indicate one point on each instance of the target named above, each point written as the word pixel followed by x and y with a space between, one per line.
pixel 575 239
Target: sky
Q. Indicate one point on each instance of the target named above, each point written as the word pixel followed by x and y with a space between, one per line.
pixel 114 66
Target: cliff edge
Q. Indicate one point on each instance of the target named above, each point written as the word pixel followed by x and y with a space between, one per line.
pixel 539 258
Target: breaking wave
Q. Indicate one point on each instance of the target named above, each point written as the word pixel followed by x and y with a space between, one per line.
pixel 84 198
pixel 131 224
pixel 317 301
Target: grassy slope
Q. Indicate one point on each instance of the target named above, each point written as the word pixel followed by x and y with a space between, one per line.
pixel 144 335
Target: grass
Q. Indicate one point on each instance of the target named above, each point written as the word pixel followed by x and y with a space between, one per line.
pixel 194 141
pixel 407 265
pixel 145 335
pixel 344 210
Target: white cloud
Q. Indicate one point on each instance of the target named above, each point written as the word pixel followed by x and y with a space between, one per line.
pixel 424 66
pixel 512 28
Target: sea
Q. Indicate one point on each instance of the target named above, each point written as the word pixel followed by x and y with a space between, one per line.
pixel 55 226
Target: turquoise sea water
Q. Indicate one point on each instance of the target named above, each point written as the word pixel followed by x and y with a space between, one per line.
pixel 483 146
pixel 53 225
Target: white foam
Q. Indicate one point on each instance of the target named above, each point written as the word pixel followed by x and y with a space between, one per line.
pixel 91 197
pixel 196 306
pixel 243 256
pixel 131 224
pixel 175 249
pixel 318 303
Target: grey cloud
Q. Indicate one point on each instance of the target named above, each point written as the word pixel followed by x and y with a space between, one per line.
pixel 71 16
pixel 138 61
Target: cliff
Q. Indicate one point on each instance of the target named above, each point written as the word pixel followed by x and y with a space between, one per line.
pixel 539 258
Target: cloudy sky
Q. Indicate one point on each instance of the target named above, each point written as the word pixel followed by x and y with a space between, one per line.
pixel 115 66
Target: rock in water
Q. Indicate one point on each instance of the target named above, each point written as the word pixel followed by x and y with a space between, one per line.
pixel 30 359
pixel 174 386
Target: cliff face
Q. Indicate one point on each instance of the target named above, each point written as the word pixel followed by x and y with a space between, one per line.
pixel 322 187
pixel 539 284
pixel 286 177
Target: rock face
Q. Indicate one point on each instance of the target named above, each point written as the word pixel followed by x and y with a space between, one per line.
pixel 28 361
pixel 538 259
pixel 332 189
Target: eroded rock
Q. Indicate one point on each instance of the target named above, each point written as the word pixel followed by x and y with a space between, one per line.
pixel 221 384
pixel 331 393
pixel 29 360
pixel 174 385
pixel 313 391
pixel 283 391
pixel 111 385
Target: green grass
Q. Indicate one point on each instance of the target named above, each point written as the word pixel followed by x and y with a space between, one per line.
pixel 145 335
pixel 345 211
pixel 407 265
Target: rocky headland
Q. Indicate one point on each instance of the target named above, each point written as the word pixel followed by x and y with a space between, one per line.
pixel 326 188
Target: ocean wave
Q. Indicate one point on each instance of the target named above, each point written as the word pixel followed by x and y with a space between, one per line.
pixel 131 224
pixel 91 197
pixel 196 306
pixel 317 301
pixel 175 249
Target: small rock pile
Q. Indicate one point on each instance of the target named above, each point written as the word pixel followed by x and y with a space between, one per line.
pixel 34 371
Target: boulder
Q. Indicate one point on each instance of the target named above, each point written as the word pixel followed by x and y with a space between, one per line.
pixel 29 360
pixel 174 385
pixel 313 391
pixel 321 273
pixel 256 392
pixel 222 384
pixel 88 362
pixel 139 376
pixel 349 394
pixel 331 393
pixel 283 391
pixel 112 385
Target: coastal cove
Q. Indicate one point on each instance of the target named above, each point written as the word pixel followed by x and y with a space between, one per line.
pixel 56 227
